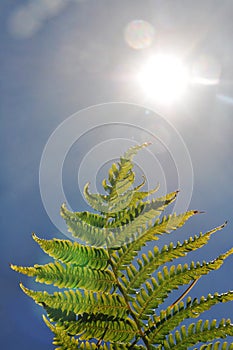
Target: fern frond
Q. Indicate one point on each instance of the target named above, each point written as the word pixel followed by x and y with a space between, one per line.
pixel 170 318
pixel 56 315
pixel 121 176
pixel 149 209
pixel 153 260
pixel 126 253
pixel 132 151
pixel 74 253
pixel 170 223
pixel 112 295
pixel 201 331
pixel 90 230
pixel 156 291
pixel 216 346
pixel 97 201
pixel 69 276
pixel 79 303
pixel 89 326
pixel 66 342
pixel 61 338
pixel 141 221
pixel 108 205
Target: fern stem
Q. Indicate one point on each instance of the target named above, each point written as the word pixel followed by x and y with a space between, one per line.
pixel 121 289
pixel 101 339
pixel 185 293
pixel 132 314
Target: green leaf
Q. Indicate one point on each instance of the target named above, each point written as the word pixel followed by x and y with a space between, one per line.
pixel 88 227
pixel 61 338
pixel 112 206
pixel 160 326
pixel 66 342
pixel 77 302
pixel 97 201
pixel 120 175
pixel 202 331
pixel 74 253
pixel 156 291
pixel 153 260
pixel 216 346
pixel 142 220
pixel 100 326
pixel 126 254
pixel 69 276
pixel 59 316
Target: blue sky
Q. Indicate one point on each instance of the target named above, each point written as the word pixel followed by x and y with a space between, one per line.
pixel 74 55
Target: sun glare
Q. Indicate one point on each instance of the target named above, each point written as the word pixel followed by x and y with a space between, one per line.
pixel 163 78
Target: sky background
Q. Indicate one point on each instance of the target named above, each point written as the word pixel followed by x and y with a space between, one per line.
pixel 59 57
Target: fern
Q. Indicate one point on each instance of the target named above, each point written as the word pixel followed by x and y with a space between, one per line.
pixel 111 294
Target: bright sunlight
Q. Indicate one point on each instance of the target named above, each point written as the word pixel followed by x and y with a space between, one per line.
pixel 163 78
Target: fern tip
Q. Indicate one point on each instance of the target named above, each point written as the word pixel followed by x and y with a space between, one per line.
pixel 63 208
pixel 24 289
pixel 46 321
pixel 13 267
pixel 199 212
pixel 224 224
pixel 34 237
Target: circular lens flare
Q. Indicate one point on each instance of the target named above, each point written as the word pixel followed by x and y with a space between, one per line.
pixel 139 34
pixel 164 78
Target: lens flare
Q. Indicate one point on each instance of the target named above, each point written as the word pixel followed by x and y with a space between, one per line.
pixel 206 70
pixel 139 34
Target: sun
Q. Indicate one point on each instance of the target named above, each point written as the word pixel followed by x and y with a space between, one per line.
pixel 163 78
